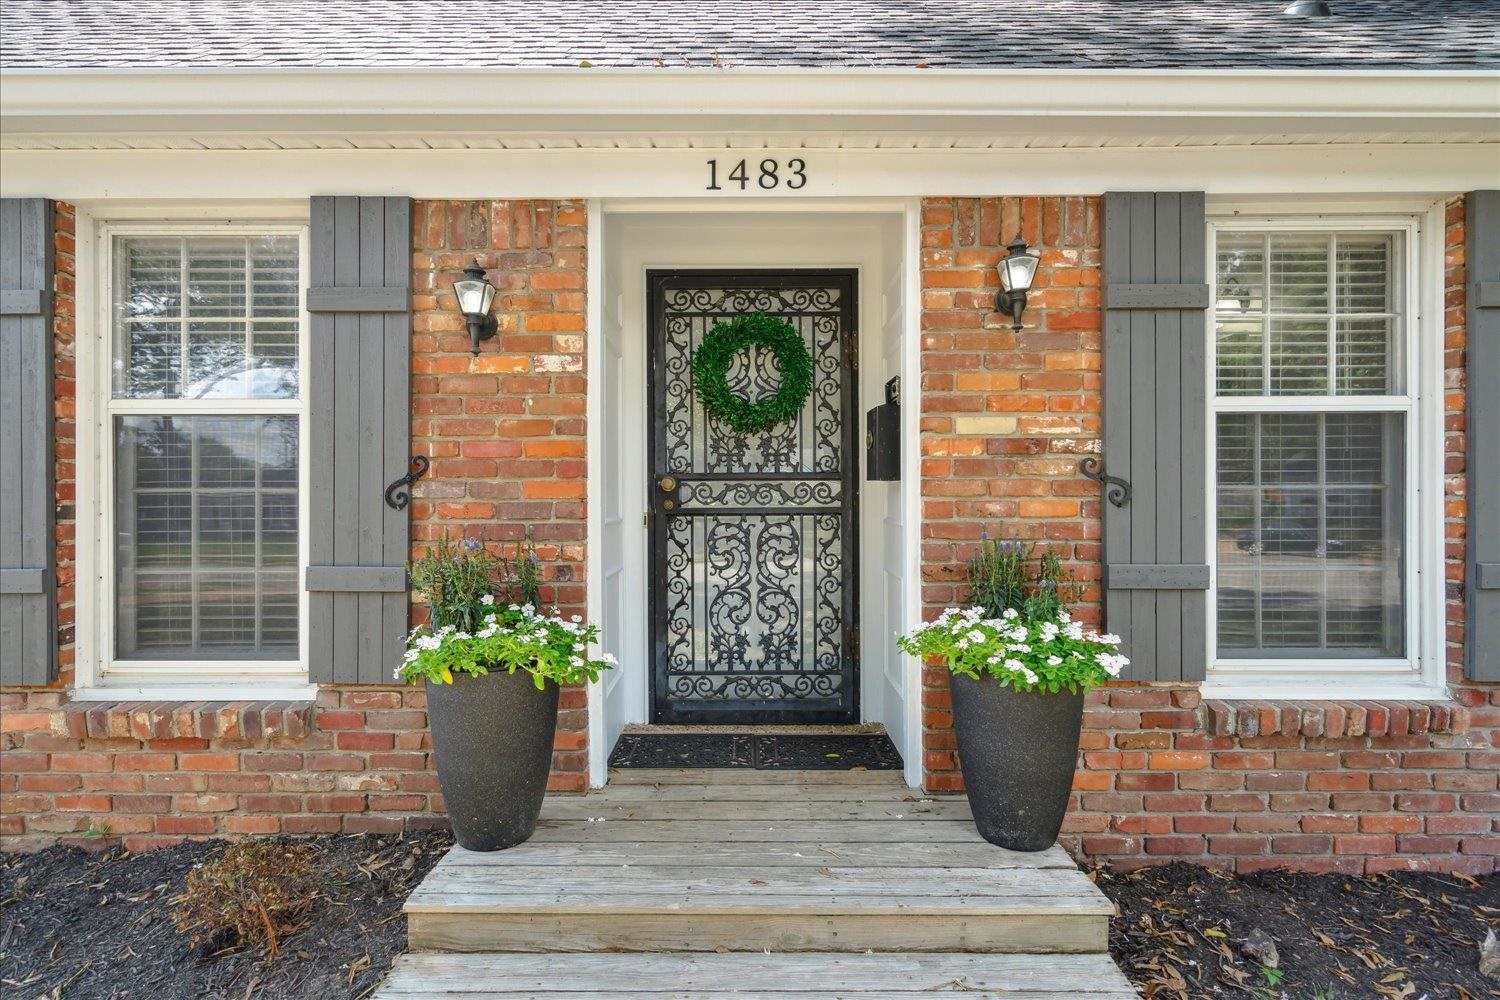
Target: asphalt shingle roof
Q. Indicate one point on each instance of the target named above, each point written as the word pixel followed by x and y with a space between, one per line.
pixel 1125 34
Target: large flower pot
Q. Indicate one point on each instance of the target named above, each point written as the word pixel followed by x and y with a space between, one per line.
pixel 493 739
pixel 1018 751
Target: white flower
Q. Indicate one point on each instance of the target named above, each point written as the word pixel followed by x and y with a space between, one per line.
pixel 609 658
pixel 1011 613
pixel 961 644
pixel 576 618
pixel 1054 661
pixel 487 600
pixel 1014 665
pixel 428 642
pixel 1030 676
pixel 1018 634
pixel 1073 630
pixel 576 661
pixel 1110 639
pixel 1049 631
pixel 975 635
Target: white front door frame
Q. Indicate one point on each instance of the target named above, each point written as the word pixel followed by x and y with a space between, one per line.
pixel 745 236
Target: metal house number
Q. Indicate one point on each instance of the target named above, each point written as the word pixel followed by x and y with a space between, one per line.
pixel 768 176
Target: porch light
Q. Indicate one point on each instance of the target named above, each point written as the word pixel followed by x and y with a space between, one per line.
pixel 1016 273
pixel 475 296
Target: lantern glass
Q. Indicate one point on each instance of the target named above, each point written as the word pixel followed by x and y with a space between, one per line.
pixel 1017 271
pixel 475 295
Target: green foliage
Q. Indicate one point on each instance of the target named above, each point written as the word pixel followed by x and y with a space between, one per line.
pixel 711 366
pixel 511 638
pixel 1002 576
pixel 455 577
pixel 1046 655
pixel 250 896
pixel 523 574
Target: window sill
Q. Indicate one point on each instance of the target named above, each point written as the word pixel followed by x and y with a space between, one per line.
pixel 1333 718
pixel 124 714
pixel 229 690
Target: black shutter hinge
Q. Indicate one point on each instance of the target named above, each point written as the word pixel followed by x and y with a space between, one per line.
pixel 1116 490
pixel 398 494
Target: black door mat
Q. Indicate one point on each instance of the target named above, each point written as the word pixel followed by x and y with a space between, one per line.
pixel 871 752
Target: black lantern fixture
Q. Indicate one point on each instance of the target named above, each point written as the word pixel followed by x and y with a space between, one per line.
pixel 1016 273
pixel 475 296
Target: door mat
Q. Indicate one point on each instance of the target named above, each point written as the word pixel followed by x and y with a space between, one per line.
pixel 871 752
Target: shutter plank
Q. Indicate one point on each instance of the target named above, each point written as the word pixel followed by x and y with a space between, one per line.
pixel 1154 547
pixel 28 615
pixel 1482 591
pixel 320 438
pixel 1143 451
pixel 1192 455
pixel 361 302
pixel 1168 436
pixel 396 458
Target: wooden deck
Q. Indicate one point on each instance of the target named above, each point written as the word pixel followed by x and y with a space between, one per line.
pixel 730 882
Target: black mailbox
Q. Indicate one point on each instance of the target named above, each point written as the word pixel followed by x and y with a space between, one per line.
pixel 883 436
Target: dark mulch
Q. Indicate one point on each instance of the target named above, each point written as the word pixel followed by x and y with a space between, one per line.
pixel 81 925
pixel 1404 936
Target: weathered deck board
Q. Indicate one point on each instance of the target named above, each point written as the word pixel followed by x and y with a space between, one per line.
pixel 742 976
pixel 820 861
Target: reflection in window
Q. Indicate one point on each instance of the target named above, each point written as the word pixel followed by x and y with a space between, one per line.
pixel 206 537
pixel 206 317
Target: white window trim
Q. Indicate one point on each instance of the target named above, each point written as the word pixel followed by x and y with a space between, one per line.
pixel 99 676
pixel 1421 674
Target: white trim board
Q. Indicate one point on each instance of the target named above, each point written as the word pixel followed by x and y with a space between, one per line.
pixel 1423 169
pixel 625 247
pixel 1419 270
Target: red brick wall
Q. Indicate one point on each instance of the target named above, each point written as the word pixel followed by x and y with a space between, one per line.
pixel 1163 776
pixel 506 434
pixel 1005 415
pixel 505 429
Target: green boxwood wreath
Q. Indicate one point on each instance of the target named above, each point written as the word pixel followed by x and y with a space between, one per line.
pixel 711 366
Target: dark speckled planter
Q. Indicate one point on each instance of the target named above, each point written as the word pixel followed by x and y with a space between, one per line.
pixel 492 736
pixel 1018 751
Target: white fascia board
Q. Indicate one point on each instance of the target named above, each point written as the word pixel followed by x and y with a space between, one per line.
pixel 590 100
pixel 1418 169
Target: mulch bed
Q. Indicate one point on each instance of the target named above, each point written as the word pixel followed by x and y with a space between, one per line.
pixel 80 925
pixel 1182 929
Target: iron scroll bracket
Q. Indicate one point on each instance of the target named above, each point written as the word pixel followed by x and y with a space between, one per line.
pixel 1116 490
pixel 398 494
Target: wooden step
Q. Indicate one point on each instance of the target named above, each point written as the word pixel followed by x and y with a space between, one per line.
pixel 757 862
pixel 744 976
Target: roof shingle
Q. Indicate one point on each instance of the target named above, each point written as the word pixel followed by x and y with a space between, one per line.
pixel 953 34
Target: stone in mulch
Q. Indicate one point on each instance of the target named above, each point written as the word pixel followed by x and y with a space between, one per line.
pixel 76 925
pixel 1190 933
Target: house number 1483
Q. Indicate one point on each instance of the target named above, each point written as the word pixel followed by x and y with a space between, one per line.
pixel 770 175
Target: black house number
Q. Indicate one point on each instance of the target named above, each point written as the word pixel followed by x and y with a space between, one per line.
pixel 770 175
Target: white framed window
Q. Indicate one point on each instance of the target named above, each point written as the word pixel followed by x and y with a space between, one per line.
pixel 1324 421
pixel 195 393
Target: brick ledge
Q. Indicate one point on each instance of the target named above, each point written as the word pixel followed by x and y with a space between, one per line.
pixel 161 720
pixel 1334 718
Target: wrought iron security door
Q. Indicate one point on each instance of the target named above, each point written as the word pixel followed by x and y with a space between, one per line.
pixel 753 550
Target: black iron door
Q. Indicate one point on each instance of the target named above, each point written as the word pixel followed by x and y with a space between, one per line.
pixel 753 536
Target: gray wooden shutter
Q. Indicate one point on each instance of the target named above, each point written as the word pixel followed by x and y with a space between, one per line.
pixel 1482 233
pixel 28 609
pixel 1155 431
pixel 359 388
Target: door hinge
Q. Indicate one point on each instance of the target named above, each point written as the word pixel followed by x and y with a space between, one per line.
pixel 645 519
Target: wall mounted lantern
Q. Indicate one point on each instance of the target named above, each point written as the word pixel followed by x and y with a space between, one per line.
pixel 1016 272
pixel 475 296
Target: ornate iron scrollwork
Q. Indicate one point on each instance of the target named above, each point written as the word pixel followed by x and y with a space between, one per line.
pixel 398 494
pixel 1116 490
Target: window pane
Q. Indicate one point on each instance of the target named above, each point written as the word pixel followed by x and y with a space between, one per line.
pixel 1309 522
pixel 206 537
pixel 1284 301
pixel 206 317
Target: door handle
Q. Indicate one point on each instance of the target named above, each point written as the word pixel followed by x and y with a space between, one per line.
pixel 667 484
